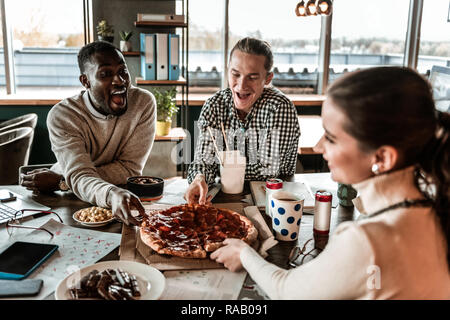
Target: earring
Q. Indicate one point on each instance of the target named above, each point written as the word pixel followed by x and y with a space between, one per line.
pixel 375 169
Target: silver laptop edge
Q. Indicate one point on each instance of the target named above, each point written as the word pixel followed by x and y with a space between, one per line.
pixel 22 203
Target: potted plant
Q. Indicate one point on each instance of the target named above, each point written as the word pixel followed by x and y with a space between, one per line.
pixel 125 44
pixel 105 31
pixel 166 108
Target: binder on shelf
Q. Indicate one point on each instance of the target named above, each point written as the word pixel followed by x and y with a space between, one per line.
pixel 150 17
pixel 174 56
pixel 148 63
pixel 162 58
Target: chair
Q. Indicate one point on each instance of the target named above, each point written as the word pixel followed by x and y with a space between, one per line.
pixel 27 120
pixel 15 148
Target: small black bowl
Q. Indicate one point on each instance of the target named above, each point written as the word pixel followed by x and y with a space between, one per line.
pixel 146 187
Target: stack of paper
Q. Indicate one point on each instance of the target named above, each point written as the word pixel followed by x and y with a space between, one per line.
pixel 174 192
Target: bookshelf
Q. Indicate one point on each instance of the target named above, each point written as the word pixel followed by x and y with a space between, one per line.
pixel 169 24
pixel 182 83
pixel 131 53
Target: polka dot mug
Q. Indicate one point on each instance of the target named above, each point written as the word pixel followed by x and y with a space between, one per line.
pixel 287 210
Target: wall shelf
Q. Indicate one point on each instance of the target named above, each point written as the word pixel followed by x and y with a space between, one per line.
pixel 131 53
pixel 175 134
pixel 160 24
pixel 180 82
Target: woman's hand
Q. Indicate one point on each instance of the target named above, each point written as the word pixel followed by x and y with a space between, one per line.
pixel 229 254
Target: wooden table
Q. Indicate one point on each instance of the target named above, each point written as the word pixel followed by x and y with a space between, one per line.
pixel 66 204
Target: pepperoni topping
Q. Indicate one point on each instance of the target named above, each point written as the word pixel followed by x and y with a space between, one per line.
pixel 188 227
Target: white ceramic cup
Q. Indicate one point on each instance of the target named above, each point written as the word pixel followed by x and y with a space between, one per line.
pixel 232 172
pixel 287 211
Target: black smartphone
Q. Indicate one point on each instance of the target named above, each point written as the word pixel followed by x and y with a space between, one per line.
pixel 20 259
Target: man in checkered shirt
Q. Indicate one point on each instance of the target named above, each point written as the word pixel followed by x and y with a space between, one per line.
pixel 259 120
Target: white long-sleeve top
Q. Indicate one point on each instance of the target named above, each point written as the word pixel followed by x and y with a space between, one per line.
pixel 94 152
pixel 399 254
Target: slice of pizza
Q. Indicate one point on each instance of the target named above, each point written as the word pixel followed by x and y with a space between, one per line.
pixel 229 224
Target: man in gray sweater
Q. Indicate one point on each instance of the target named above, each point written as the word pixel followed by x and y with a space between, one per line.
pixel 100 136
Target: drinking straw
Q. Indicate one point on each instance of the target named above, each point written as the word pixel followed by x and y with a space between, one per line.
pixel 215 146
pixel 225 137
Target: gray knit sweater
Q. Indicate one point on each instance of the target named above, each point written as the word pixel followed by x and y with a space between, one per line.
pixel 95 152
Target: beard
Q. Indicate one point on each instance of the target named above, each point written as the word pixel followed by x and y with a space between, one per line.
pixel 99 103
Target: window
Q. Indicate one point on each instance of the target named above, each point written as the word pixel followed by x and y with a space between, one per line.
pixel 206 20
pixel 435 35
pixel 367 34
pixel 2 62
pixel 294 40
pixel 47 35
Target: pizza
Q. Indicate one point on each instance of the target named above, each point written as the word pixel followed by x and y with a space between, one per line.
pixel 191 231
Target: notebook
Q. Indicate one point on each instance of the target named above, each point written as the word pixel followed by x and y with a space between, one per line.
pixel 8 209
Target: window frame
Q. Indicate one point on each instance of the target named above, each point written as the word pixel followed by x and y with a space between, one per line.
pixel 10 79
pixel 411 52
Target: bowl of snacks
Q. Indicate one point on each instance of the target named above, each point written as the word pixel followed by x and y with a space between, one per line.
pixel 93 216
pixel 146 187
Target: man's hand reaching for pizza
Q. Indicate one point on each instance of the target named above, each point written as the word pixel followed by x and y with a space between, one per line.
pixel 229 254
pixel 122 202
pixel 197 190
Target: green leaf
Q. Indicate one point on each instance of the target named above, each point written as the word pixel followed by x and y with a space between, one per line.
pixel 165 103
pixel 125 35
pixel 104 29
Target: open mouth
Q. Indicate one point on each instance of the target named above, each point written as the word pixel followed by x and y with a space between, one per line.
pixel 243 96
pixel 119 97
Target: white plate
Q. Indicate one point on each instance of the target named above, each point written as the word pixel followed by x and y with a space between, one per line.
pixel 91 224
pixel 150 280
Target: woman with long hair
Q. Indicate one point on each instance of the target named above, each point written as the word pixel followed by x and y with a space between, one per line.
pixel 383 136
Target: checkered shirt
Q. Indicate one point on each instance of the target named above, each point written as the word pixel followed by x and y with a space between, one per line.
pixel 268 136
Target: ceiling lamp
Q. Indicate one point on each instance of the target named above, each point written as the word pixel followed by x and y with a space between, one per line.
pixel 311 9
pixel 300 10
pixel 314 8
pixel 324 7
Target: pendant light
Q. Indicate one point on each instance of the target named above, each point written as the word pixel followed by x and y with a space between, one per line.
pixel 300 10
pixel 324 7
pixel 311 9
pixel 314 8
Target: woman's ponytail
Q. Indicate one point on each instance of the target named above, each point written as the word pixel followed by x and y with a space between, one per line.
pixel 436 164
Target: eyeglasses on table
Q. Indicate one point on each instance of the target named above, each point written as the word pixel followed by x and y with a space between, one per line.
pixel 16 222
pixel 302 252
